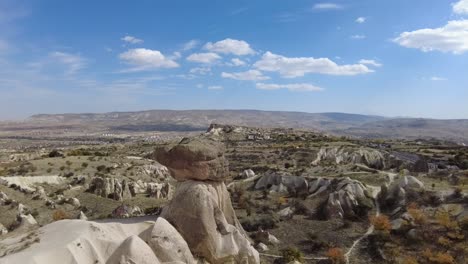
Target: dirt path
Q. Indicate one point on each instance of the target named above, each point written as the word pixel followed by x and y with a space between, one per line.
pixel 391 177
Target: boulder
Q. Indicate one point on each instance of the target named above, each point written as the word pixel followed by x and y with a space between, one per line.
pixel 199 158
pixel 125 211
pixel 39 194
pixel 265 237
pixel 247 174
pixel 25 222
pixel 286 213
pixel 82 216
pixel 262 247
pixel 3 230
pixel 203 214
pixel 73 201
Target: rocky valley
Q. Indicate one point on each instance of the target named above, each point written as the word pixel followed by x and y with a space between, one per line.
pixel 235 194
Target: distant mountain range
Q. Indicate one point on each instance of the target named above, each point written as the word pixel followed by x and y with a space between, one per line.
pixel 194 120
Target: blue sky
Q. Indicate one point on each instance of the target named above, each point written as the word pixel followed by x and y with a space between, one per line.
pixel 392 58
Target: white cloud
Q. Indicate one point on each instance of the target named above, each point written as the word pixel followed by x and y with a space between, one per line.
pixel 251 75
pixel 215 87
pixel 199 86
pixel 74 62
pixel 436 78
pixel 370 62
pixel 230 46
pixel 461 7
pixel 358 36
pixel 145 59
pixel 327 6
pixel 201 70
pixel 296 87
pixel 452 37
pixel 361 20
pixel 237 62
pixel 190 45
pixel 132 40
pixel 296 67
pixel 207 58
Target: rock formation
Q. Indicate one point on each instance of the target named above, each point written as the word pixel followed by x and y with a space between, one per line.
pixel 78 241
pixel 201 208
pixel 372 158
pixel 395 196
pixel 342 155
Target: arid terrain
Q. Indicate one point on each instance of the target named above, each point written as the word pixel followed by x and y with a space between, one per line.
pixel 300 195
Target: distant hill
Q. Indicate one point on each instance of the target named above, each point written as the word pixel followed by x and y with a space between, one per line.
pixel 198 120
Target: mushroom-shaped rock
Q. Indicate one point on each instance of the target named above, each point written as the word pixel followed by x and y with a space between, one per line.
pixel 167 243
pixel 198 158
pixel 133 250
pixel 202 213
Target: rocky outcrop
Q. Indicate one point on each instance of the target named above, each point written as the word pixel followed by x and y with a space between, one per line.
pixel 393 197
pixel 201 208
pixel 198 158
pixel 156 170
pixel 276 182
pixel 4 199
pixel 372 158
pixel 343 155
pixel 246 174
pixel 126 211
pixel 110 188
pixel 340 198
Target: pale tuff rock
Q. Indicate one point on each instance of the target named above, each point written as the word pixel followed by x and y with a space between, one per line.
pixel 394 196
pixel 202 212
pixel 266 238
pixel 4 198
pixel 77 241
pixel 122 190
pixel 39 194
pixel 195 158
pixel 133 250
pixel 3 230
pixel 156 170
pixel 283 183
pixel 342 155
pixel 372 158
pixel 126 211
pixel 25 222
pixel 286 213
pixel 247 174
pixel 82 216
pixel 347 198
pixel 159 190
pixel 167 243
